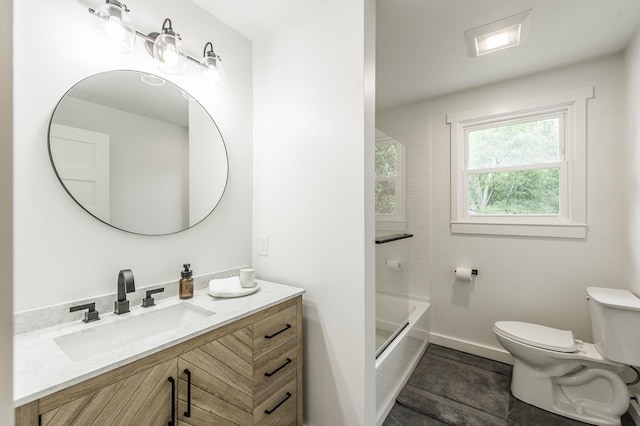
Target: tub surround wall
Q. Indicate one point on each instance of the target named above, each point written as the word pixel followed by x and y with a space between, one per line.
pixel 410 125
pixel 6 212
pixel 390 280
pixel 64 253
pixel 313 195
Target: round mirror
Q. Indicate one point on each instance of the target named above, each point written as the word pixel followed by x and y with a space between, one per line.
pixel 138 153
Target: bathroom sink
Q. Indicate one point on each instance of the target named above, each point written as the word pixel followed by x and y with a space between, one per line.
pixel 85 344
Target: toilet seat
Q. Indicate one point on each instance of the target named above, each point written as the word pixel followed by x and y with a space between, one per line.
pixel 537 335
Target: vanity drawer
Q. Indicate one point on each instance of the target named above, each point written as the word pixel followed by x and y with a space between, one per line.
pixel 274 331
pixel 280 409
pixel 273 371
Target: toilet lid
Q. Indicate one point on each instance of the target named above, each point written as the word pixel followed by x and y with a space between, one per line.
pixel 538 335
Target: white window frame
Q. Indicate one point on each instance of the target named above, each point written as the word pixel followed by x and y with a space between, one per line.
pixel 571 222
pixel 396 221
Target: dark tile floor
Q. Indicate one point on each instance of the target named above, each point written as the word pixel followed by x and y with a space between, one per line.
pixel 449 387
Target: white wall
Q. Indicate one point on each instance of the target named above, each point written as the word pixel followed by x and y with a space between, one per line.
pixel 411 126
pixel 6 215
pixel 530 279
pixel 313 195
pixel 631 181
pixel 64 253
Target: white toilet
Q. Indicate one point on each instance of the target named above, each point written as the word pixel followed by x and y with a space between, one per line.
pixel 575 379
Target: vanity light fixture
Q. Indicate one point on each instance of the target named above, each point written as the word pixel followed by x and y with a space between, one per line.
pixel 498 35
pixel 115 28
pixel 213 71
pixel 167 49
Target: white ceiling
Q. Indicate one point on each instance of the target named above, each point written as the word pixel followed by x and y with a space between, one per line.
pixel 420 44
pixel 421 49
pixel 255 17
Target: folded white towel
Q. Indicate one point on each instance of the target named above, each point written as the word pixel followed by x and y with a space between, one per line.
pixel 229 287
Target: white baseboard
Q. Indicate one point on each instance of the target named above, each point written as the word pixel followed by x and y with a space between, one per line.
pixel 496 354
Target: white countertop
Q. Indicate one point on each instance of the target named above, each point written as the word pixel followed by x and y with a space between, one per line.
pixel 41 368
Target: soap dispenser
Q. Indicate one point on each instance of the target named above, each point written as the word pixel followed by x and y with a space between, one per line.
pixel 186 282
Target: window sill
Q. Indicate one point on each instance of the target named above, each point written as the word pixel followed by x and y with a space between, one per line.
pixel 574 231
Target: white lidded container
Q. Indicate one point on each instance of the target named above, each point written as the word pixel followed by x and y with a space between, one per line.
pixel 615 323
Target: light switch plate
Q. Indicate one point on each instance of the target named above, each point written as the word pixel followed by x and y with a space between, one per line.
pixel 263 245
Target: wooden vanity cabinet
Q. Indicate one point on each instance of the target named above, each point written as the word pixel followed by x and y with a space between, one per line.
pixel 216 381
pixel 143 398
pixel 248 373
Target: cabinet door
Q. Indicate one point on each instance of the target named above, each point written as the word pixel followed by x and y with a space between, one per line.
pixel 141 399
pixel 218 388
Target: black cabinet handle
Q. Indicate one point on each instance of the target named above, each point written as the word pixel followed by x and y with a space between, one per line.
pixel 287 362
pixel 278 332
pixel 279 404
pixel 188 412
pixel 173 401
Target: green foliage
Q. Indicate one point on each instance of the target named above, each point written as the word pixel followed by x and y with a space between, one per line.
pixel 385 197
pixel 386 160
pixel 515 144
pixel 519 192
pixel 386 166
pixel 534 191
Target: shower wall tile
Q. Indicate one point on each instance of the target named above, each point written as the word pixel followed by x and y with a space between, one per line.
pixel 410 125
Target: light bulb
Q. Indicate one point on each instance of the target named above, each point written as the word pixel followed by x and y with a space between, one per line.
pixel 167 50
pixel 212 75
pixel 170 56
pixel 114 26
pixel 113 29
pixel 497 40
pixel 212 70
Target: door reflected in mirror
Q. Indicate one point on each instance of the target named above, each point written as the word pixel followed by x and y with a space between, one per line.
pixel 138 153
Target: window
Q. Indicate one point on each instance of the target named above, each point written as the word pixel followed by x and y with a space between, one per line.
pixel 390 179
pixel 521 171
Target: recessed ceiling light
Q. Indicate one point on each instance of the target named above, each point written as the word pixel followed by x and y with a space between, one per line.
pixel 499 35
pixel 501 39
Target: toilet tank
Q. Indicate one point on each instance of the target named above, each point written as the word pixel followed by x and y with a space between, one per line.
pixel 615 323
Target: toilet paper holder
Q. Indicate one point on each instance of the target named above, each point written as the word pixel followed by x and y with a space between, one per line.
pixel 473 272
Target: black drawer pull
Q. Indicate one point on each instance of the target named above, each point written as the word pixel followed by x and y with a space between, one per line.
pixel 188 412
pixel 279 368
pixel 173 401
pixel 278 332
pixel 277 406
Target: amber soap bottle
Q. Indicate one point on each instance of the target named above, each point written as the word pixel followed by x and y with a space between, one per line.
pixel 186 282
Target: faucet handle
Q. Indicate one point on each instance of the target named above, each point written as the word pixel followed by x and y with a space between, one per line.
pixel 148 300
pixel 90 315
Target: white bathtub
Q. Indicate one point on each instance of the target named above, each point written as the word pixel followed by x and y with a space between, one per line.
pixel 396 363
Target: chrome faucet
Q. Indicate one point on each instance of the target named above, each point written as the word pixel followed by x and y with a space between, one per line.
pixel 126 285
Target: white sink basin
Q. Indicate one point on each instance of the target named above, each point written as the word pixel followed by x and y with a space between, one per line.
pixel 85 344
